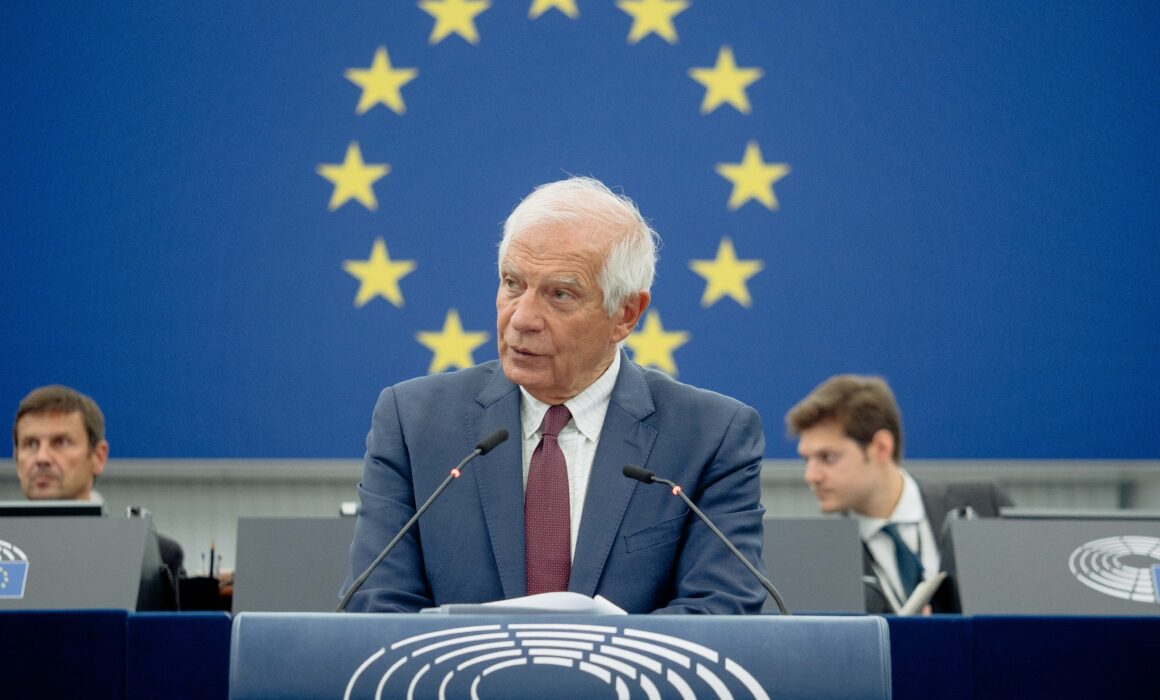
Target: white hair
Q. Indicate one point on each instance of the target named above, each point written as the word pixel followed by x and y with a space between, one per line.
pixel 630 265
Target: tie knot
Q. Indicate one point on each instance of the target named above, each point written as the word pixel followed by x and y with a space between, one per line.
pixel 891 531
pixel 555 420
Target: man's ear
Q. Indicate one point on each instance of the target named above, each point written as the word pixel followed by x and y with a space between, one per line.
pixel 100 457
pixel 881 447
pixel 631 309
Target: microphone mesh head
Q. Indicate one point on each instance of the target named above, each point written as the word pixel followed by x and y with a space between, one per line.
pixel 641 474
pixel 490 442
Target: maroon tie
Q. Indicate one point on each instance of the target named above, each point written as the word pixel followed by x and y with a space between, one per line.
pixel 547 518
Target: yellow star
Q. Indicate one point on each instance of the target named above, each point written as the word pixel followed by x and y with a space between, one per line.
pixel 652 346
pixel 653 17
pixel 726 275
pixel 353 179
pixel 381 83
pixel 752 178
pixel 725 82
pixel 539 7
pixel 379 275
pixel 452 347
pixel 454 17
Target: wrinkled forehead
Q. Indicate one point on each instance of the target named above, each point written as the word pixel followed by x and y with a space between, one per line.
pixel 554 242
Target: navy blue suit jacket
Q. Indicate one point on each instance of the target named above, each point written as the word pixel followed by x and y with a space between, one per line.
pixel 638 545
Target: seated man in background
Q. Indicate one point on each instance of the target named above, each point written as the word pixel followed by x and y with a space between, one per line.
pixel 58 442
pixel 849 432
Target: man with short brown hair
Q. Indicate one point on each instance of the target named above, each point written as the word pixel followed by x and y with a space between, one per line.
pixel 849 432
pixel 58 442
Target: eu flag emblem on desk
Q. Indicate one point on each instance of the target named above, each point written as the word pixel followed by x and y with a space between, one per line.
pixel 13 574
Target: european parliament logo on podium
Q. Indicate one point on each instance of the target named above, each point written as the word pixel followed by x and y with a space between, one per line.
pixel 478 660
pixel 13 571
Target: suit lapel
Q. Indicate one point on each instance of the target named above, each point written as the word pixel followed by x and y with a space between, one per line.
pixel 934 501
pixel 937 503
pixel 499 479
pixel 624 439
pixel 874 595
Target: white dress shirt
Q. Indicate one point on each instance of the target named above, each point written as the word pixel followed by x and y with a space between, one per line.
pixel 913 526
pixel 577 440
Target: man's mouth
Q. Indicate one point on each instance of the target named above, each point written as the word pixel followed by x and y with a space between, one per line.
pixel 44 478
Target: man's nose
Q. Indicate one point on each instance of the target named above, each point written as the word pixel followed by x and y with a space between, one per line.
pixel 43 453
pixel 526 314
pixel 813 474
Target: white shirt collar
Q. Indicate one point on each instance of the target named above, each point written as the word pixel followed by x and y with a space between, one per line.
pixel 908 511
pixel 588 408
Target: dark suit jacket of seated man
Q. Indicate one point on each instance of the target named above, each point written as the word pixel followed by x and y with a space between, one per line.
pixel 637 545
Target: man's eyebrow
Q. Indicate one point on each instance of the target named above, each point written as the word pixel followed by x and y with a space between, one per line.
pixel 564 281
pixel 48 436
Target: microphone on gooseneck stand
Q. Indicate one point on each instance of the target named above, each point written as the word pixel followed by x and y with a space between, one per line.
pixel 643 475
pixel 481 448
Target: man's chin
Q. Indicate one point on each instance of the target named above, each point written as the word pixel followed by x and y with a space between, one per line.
pixel 44 495
pixel 518 373
pixel 830 507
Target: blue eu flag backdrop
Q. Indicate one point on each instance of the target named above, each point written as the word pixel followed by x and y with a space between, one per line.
pixel 234 223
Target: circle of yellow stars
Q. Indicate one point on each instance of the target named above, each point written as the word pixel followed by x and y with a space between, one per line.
pixel 725 83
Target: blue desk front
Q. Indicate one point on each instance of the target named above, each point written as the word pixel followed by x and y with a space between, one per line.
pixel 114 655
pixel 279 656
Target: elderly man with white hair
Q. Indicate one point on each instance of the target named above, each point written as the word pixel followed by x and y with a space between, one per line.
pixel 550 509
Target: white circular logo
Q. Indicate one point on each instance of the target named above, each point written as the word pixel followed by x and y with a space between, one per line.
pixel 588 660
pixel 10 552
pixel 1126 567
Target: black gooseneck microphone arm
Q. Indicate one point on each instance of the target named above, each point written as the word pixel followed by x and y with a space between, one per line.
pixel 643 475
pixel 483 447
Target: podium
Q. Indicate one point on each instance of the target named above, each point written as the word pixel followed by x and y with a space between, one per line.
pixel 279 656
pixel 54 563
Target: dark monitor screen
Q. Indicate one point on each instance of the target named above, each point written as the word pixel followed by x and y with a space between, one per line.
pixel 40 509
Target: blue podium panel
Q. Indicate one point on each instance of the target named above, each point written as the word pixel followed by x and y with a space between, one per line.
pixel 63 654
pixel 931 657
pixel 1065 657
pixel 177 655
pixel 286 655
